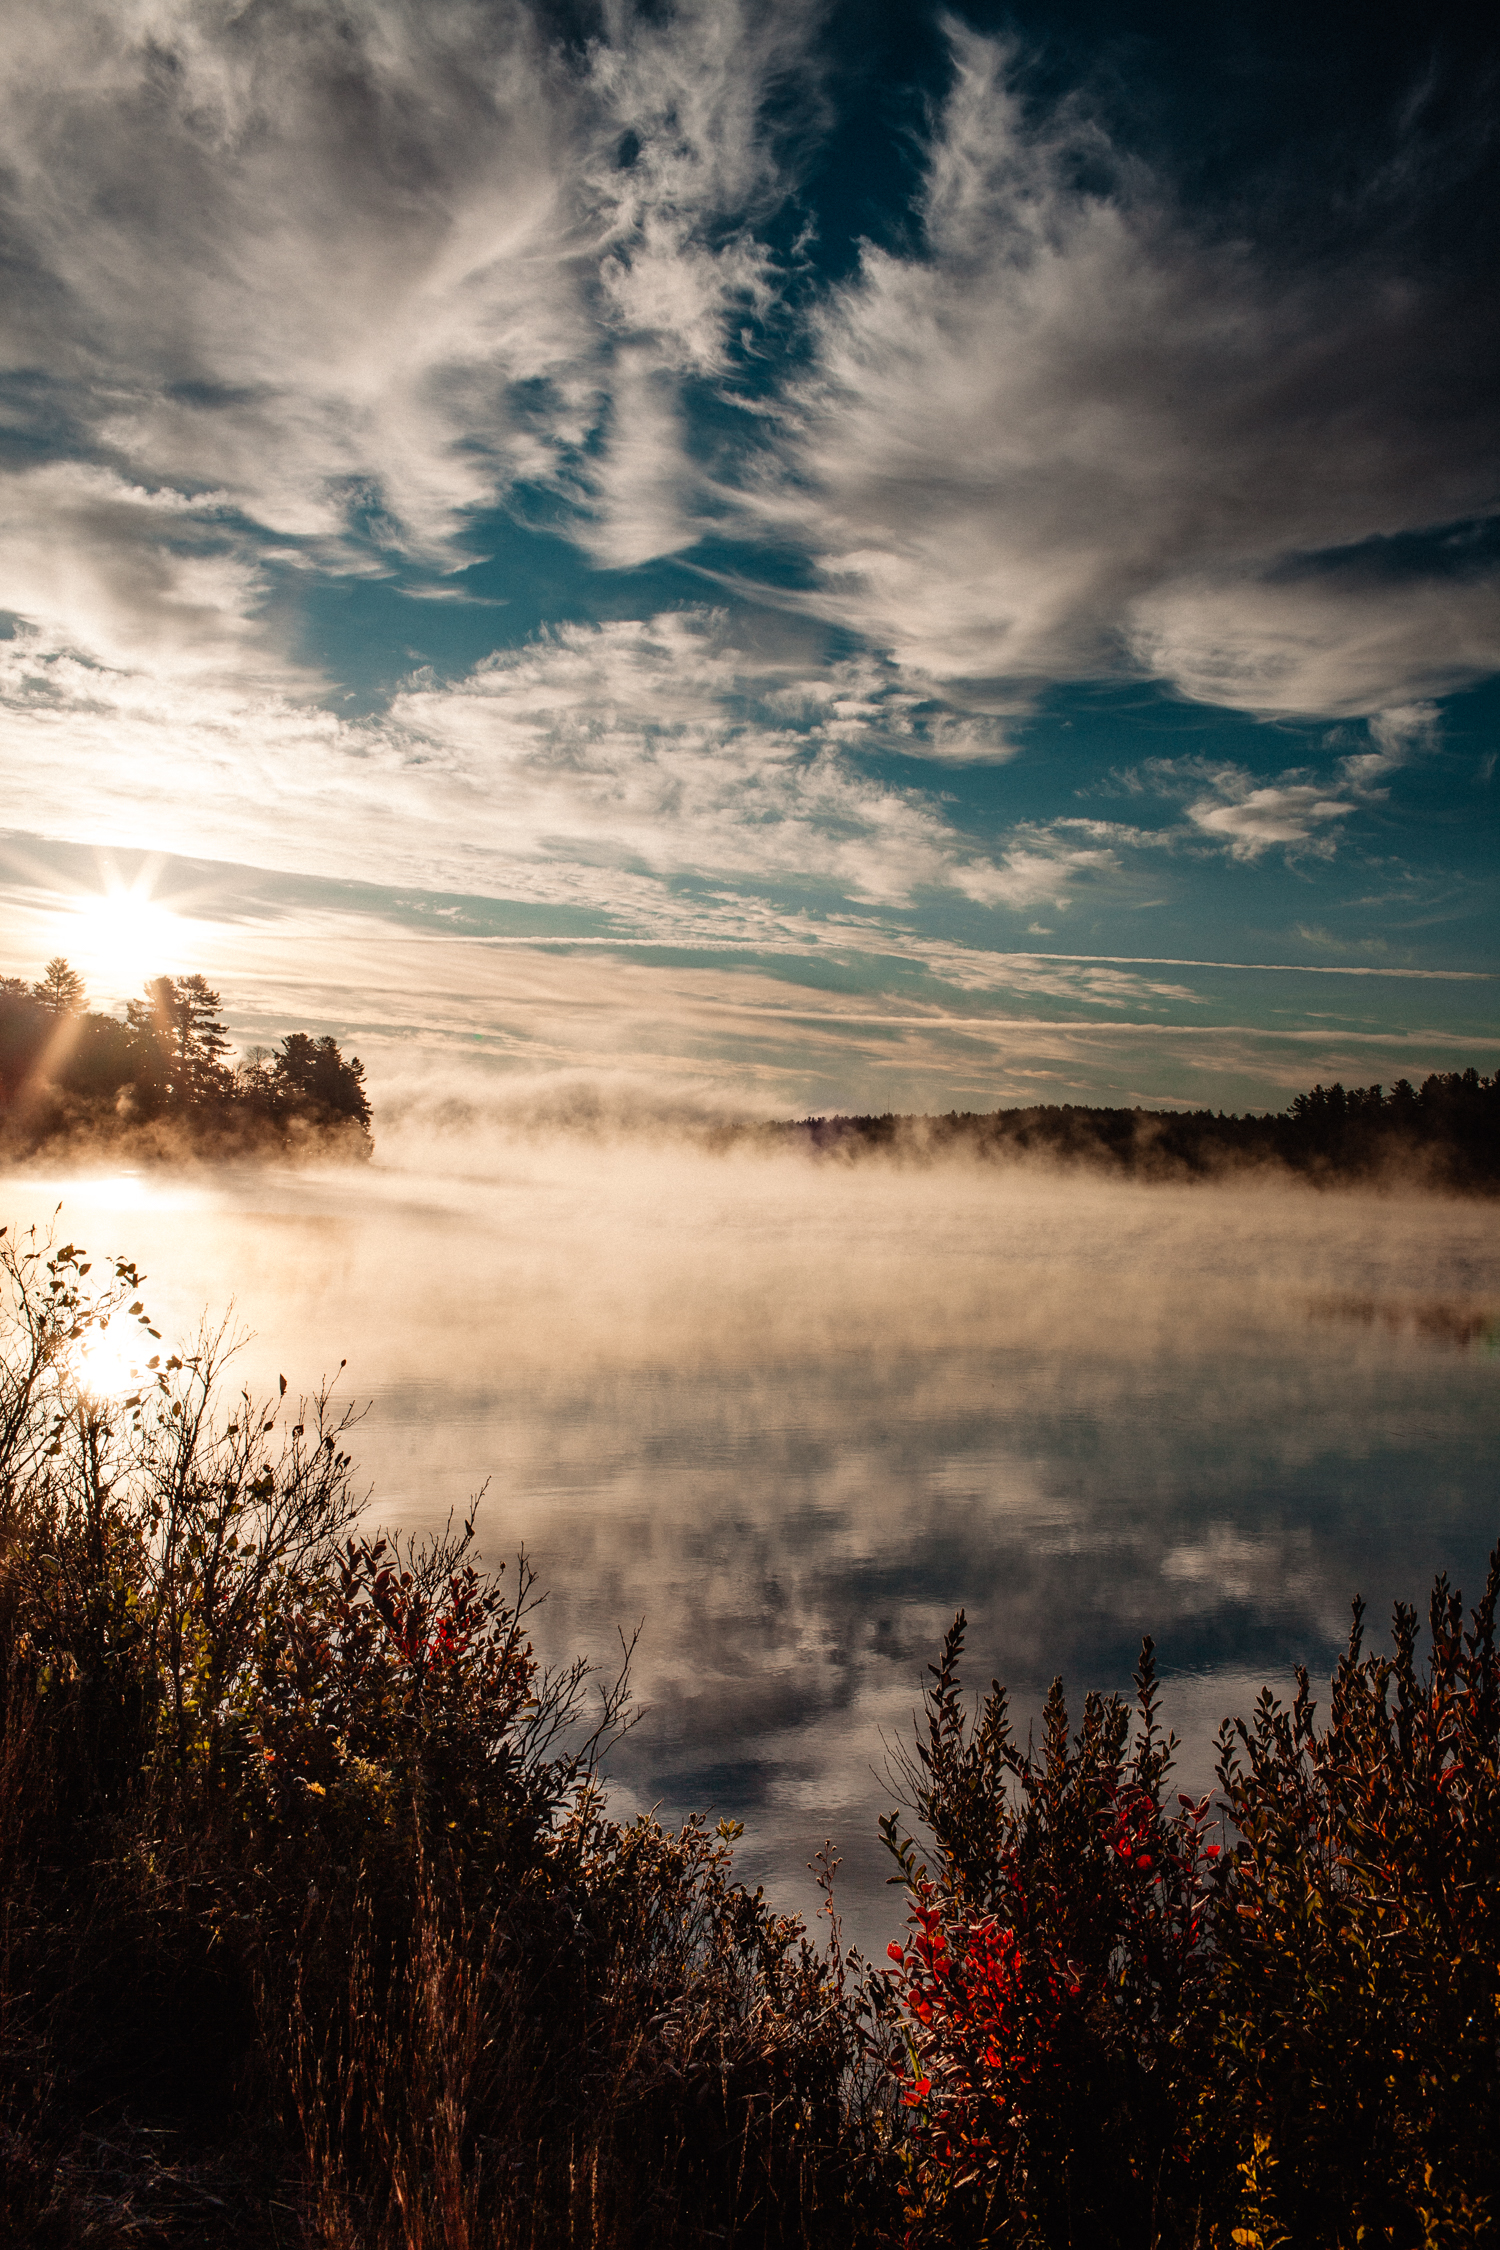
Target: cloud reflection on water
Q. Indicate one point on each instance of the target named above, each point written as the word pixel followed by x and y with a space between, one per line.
pixel 793 1415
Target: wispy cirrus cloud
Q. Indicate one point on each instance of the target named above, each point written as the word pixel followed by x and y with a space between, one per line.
pixel 293 257
pixel 340 286
pixel 137 577
pixel 309 309
pixel 1250 817
pixel 1298 810
pixel 1328 642
pixel 1071 434
pixel 354 278
pixel 343 286
pixel 650 769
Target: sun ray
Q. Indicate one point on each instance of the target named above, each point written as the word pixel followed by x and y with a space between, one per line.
pixel 107 1362
pixel 120 936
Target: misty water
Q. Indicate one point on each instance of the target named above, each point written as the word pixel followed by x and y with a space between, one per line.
pixel 787 1416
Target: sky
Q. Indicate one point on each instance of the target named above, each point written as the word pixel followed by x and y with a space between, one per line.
pixel 765 556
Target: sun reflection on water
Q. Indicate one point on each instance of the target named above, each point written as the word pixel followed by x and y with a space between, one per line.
pixel 107 1362
pixel 127 1191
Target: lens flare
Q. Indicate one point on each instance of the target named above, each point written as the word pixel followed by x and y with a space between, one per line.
pixel 107 1362
pixel 122 937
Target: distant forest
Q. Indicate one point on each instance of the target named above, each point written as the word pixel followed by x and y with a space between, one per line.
pixel 1443 1134
pixel 159 1079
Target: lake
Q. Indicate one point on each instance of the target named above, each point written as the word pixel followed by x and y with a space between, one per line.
pixel 788 1415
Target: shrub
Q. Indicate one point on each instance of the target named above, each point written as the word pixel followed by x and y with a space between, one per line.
pixel 307 1866
pixel 1358 1942
pixel 1051 1988
pixel 314 1924
pixel 1106 2029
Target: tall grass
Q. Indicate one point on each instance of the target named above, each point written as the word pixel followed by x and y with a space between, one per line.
pixel 315 1922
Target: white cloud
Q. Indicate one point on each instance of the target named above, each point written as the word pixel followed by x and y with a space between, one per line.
pixel 644 744
pixel 1250 819
pixel 1297 809
pixel 358 272
pixel 1329 645
pixel 1071 432
pixel 135 577
pixel 639 487
pixel 285 253
pixel 1035 868
pixel 311 287
pixel 1398 735
pixel 656 772
pixel 962 739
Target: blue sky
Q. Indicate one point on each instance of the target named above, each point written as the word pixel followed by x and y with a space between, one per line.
pixel 784 556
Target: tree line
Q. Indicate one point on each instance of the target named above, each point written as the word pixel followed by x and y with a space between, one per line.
pixel 1444 1133
pixel 164 1072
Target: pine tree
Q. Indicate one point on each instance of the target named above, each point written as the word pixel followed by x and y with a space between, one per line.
pixel 59 988
pixel 313 1071
pixel 180 1040
pixel 202 1041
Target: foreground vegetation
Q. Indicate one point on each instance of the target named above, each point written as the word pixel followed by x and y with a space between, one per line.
pixel 315 1928
pixel 156 1083
pixel 1442 1134
pixel 315 1924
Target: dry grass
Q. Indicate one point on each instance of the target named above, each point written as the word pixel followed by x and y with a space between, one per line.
pixel 313 1926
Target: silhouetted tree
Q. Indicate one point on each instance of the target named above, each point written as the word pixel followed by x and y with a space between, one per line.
pixel 180 1041
pixel 1447 1133
pixel 313 1070
pixel 202 1041
pixel 67 1070
pixel 59 988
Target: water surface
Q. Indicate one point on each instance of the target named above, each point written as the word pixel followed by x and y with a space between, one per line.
pixel 790 1415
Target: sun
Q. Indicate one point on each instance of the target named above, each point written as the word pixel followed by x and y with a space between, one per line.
pixel 107 1362
pixel 122 936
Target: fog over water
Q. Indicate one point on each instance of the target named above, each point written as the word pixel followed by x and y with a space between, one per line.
pixel 791 1414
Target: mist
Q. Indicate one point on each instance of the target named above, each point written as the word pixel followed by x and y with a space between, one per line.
pixel 788 1415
